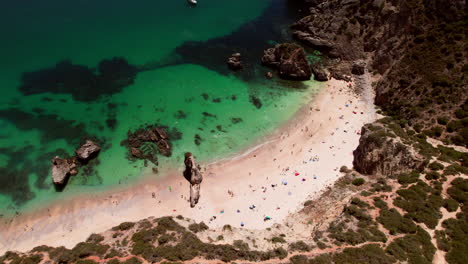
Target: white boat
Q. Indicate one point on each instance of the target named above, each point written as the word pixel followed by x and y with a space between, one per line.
pixel 192 2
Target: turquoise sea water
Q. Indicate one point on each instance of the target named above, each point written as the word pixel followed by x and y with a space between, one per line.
pixel 180 53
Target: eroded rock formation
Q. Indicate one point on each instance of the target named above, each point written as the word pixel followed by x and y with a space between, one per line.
pixel 193 175
pixel 62 169
pixel 290 60
pixel 320 73
pixel 234 62
pixel 380 153
pixel 88 150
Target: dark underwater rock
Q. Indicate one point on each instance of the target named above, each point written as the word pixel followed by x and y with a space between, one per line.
pixel 80 81
pixel 234 62
pixel 256 101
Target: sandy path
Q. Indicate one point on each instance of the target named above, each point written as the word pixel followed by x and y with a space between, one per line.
pixel 313 146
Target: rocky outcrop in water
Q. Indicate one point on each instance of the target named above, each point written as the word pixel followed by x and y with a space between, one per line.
pixel 234 62
pixel 193 175
pixel 88 150
pixel 146 143
pixel 290 60
pixel 381 153
pixel 62 169
pixel 320 73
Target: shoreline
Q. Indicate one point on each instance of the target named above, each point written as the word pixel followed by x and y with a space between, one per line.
pixel 311 150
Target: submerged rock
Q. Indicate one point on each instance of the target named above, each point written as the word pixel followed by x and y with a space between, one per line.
pixel 88 150
pixel 62 169
pixel 290 60
pixel 146 143
pixel 192 174
pixel 256 101
pixel 82 82
pixel 234 62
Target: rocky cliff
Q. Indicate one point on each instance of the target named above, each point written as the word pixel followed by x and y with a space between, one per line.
pixel 415 47
pixel 380 152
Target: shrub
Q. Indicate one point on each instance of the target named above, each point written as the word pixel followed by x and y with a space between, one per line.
pixel 299 246
pixel 379 203
pixel 113 253
pixel 432 175
pixel 395 223
pixel 308 202
pixel 442 120
pixel 278 240
pixel 86 261
pixel 344 169
pixel 455 237
pixel 459 190
pixel 358 202
pixel 435 166
pixel 407 178
pixel 455 169
pixel 415 248
pixel 451 205
pixel 321 245
pixel 280 253
pixel 299 259
pixel 358 181
pixel 123 226
pixel 241 245
pixel 95 238
pixel 369 254
pixel 132 261
pixel 198 227
pixel 421 207
pixel 85 249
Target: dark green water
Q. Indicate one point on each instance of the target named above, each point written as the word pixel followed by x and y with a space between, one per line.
pixel 180 54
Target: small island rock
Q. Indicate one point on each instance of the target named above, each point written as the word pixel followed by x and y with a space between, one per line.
pixel 62 169
pixel 88 150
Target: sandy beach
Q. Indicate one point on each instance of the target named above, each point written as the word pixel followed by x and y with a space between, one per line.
pixel 273 179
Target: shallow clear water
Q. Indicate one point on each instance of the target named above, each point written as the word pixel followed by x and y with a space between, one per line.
pixel 182 51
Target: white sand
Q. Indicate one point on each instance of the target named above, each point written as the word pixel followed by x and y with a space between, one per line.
pixel 317 131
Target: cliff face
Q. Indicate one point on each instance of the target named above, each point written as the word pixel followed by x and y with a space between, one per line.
pixel 381 153
pixel 417 47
